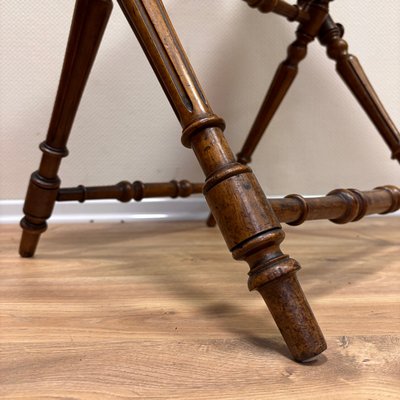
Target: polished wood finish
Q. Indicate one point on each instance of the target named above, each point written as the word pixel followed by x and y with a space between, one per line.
pixel 125 191
pixel 246 220
pixel 88 25
pixel 158 310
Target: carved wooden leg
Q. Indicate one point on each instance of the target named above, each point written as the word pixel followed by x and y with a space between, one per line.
pixel 284 76
pixel 350 70
pixel 283 79
pixel 88 24
pixel 249 226
pixel 286 73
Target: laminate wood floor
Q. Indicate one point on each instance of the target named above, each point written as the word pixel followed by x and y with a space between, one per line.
pixel 161 311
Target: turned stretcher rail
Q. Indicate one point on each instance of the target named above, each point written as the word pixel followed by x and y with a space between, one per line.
pixel 339 206
pixel 125 191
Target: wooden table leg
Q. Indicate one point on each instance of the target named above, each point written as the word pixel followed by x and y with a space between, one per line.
pixel 250 228
pixel 350 70
pixel 88 25
pixel 284 76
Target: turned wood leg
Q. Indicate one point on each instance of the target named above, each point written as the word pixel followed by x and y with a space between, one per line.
pixel 350 70
pixel 250 228
pixel 88 24
pixel 284 76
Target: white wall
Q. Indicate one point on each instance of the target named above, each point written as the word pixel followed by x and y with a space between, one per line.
pixel 125 129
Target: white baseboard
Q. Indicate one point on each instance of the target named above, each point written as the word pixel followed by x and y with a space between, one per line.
pixel 192 208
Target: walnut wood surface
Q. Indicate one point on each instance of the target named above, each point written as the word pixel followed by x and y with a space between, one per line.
pixel 151 310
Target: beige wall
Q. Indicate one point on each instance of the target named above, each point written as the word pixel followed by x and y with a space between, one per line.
pixel 125 129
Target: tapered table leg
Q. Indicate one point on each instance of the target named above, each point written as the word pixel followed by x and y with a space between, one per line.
pixel 88 24
pixel 284 76
pixel 350 70
pixel 250 228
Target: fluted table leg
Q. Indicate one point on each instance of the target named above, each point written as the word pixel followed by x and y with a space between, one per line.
pixel 352 73
pixel 88 24
pixel 248 224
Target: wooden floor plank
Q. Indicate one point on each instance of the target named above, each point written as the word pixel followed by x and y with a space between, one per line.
pixel 162 311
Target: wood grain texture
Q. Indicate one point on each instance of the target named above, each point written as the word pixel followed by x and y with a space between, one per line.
pixel 161 311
